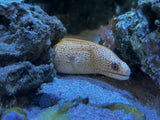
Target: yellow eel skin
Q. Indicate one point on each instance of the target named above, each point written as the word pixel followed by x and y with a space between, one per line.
pixel 75 56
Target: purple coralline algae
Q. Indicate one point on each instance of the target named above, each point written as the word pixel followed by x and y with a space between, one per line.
pixel 138 37
pixel 27 35
pixel 106 35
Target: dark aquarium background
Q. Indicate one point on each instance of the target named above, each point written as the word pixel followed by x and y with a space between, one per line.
pixel 33 89
pixel 78 15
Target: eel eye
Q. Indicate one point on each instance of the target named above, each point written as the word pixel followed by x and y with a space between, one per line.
pixel 115 66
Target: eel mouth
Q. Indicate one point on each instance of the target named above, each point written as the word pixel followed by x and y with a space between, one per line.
pixel 127 75
pixel 119 76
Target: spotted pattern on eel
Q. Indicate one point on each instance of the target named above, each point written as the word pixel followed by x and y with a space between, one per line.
pixel 75 56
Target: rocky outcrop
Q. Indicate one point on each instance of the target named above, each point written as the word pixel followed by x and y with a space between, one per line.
pixel 27 34
pixel 86 98
pixel 138 38
pixel 23 76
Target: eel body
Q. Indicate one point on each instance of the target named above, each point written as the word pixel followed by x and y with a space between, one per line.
pixel 74 56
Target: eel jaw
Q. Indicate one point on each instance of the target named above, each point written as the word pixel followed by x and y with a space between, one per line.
pixel 118 76
pixel 122 76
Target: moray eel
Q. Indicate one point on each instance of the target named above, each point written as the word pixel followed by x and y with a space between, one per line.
pixel 74 56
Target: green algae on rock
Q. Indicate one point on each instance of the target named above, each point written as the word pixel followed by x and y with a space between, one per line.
pixel 60 112
pixel 138 115
pixel 14 113
pixel 53 115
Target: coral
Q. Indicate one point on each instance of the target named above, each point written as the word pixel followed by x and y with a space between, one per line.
pixel 138 38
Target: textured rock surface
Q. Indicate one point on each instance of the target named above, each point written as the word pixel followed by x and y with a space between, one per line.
pixel 138 38
pixel 86 112
pixel 23 76
pixel 98 97
pixel 85 98
pixel 27 34
pixel 75 87
pixel 47 100
pixel 94 101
